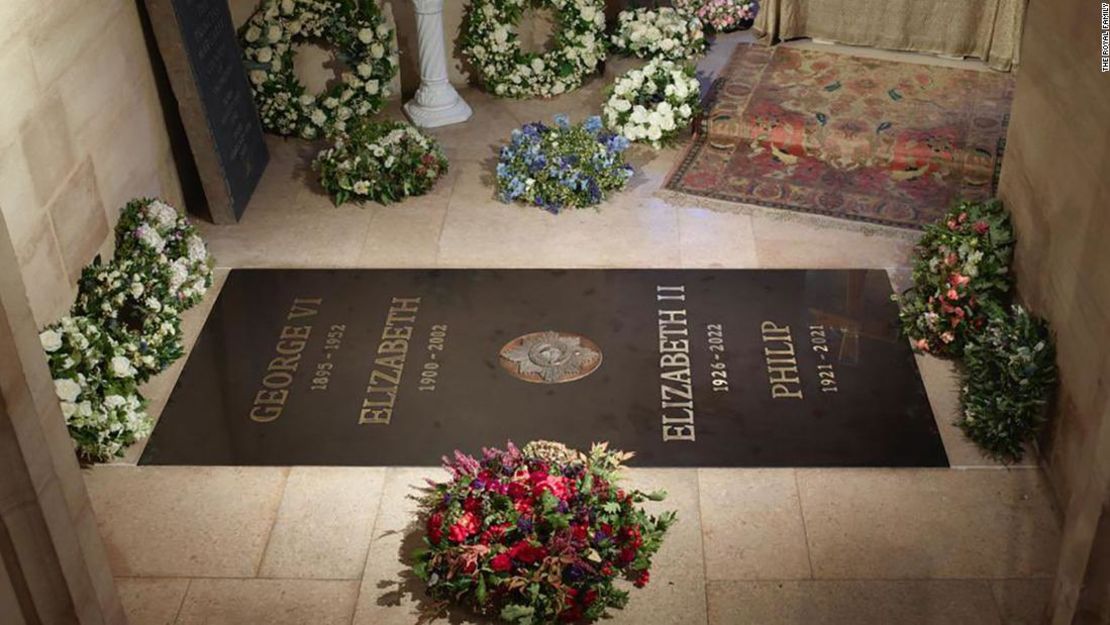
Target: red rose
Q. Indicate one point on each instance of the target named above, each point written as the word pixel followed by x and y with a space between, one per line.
pixel 589 598
pixel 466 526
pixel 643 579
pixel 501 563
pixel 526 553
pixel 472 504
pixel 627 555
pixel 470 566
pixel 435 527
pixel 517 491
pixel 607 570
pixel 523 507
pixel 981 227
pixel 579 532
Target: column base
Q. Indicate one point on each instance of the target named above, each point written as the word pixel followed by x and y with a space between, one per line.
pixel 428 117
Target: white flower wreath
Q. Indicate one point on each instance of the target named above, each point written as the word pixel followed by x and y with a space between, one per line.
pixel 363 41
pixel 653 104
pixel 663 32
pixel 491 44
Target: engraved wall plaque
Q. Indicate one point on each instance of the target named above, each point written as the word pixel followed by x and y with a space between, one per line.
pixel 197 42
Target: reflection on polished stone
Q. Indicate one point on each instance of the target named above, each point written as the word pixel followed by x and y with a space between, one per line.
pixel 685 367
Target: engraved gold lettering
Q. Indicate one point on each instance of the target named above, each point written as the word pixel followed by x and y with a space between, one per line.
pixel 389 365
pixel 269 401
pixel 782 367
pixel 675 379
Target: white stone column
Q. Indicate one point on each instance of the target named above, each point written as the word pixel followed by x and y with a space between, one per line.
pixel 436 102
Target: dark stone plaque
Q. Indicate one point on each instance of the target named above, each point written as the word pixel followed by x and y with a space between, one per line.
pixel 197 41
pixel 729 368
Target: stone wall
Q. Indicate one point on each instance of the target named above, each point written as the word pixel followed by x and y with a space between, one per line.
pixel 81 132
pixel 1055 182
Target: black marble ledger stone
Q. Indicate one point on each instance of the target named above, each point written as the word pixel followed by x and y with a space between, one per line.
pixel 726 368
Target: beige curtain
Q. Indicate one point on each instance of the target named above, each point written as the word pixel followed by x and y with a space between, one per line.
pixel 986 29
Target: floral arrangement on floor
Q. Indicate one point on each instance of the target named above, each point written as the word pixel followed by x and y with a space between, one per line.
pixel 721 15
pixel 95 382
pixel 959 306
pixel 381 162
pixel 1010 374
pixel 660 33
pixel 561 166
pixel 155 234
pixel 490 43
pixel 538 534
pixel 125 327
pixel 126 297
pixel 961 272
pixel 653 104
pixel 363 41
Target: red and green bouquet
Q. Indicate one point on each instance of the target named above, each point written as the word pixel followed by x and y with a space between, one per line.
pixel 538 535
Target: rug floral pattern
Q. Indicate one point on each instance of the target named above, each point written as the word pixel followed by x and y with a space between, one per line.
pixel 857 138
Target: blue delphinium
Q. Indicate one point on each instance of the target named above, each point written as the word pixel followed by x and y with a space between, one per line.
pixel 562 166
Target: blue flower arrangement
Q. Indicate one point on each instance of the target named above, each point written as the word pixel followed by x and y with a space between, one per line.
pixel 560 166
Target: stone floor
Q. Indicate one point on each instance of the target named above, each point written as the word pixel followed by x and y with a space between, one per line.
pixel 973 545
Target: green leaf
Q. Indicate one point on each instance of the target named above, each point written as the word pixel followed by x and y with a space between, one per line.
pixel 894 95
pixel 515 612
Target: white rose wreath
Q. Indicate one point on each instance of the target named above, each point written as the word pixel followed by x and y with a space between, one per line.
pixel 653 104
pixel 660 33
pixel 362 40
pixel 492 46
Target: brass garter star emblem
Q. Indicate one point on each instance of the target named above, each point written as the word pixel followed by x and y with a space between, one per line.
pixel 550 357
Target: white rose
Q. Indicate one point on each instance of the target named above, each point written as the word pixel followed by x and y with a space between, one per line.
pixel 121 367
pixel 667 45
pixel 265 55
pixel 537 65
pixel 66 389
pixel 252 35
pixel 50 340
pixel 287 6
pixel 366 35
pixel 318 117
pixel 68 409
pixel 258 76
pixel 371 87
pixel 622 105
pixel 655 133
pixel 273 34
pixel 114 401
pixel 365 69
pixel 377 50
pixel 685 111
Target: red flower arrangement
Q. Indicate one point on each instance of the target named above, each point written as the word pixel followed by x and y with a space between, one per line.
pixel 538 535
pixel 961 277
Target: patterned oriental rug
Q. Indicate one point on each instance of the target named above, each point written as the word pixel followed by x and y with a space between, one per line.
pixel 864 139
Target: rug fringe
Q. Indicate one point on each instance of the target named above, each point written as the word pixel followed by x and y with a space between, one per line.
pixel 678 198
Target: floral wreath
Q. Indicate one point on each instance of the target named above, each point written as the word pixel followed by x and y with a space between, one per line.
pixel 492 46
pixel 380 161
pixel 653 104
pixel 363 42
pixel 129 298
pixel 159 237
pixel 663 32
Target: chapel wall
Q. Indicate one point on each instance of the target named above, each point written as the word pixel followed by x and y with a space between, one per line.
pixel 81 133
pixel 1056 183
